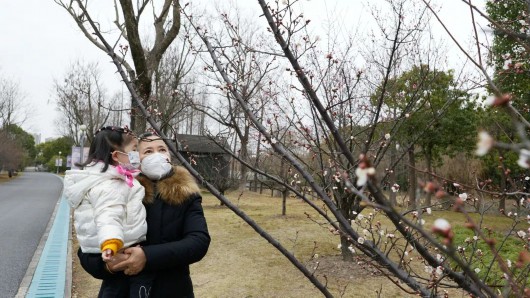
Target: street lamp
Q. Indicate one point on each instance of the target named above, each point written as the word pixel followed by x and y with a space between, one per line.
pixel 59 162
pixel 82 127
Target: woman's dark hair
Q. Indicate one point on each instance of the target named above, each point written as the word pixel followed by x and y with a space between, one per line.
pixel 107 140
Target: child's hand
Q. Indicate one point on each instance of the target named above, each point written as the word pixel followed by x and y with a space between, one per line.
pixel 106 255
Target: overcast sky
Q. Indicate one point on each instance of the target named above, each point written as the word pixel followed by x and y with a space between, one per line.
pixel 38 40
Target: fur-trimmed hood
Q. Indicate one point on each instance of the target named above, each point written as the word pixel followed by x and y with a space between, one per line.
pixel 174 190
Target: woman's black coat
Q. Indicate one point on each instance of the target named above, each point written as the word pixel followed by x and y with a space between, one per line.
pixel 177 236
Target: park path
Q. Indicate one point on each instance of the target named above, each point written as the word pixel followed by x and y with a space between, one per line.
pixel 26 205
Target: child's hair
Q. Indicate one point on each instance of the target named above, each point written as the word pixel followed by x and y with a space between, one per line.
pixel 107 140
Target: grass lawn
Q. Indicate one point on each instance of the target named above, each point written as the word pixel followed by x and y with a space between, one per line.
pixel 240 263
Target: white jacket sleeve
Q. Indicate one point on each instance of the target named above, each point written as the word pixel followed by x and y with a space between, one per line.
pixel 109 202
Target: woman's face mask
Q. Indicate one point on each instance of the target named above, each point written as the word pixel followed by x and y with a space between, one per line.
pixel 155 166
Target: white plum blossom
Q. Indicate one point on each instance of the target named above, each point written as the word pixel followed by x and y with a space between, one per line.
pixel 422 221
pixel 521 234
pixel 463 196
pixel 351 249
pixel 428 269
pixel 337 178
pixel 526 178
pixel 439 271
pixel 395 187
pixel 360 240
pixel 489 100
pixel 390 235
pixel 507 64
pixel 477 270
pixel 509 263
pixel 484 144
pixel 274 141
pixel 360 217
pixel 363 174
pixel 387 136
pixel 524 158
pixel 428 210
pixel 442 225
pixel 475 238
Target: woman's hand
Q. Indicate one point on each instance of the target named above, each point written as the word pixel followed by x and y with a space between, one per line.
pixel 135 263
pixel 113 263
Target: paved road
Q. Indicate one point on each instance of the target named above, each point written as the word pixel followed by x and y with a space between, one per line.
pixel 26 205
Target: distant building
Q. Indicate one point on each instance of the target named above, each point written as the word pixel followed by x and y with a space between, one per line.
pixel 37 138
pixel 206 156
pixel 50 139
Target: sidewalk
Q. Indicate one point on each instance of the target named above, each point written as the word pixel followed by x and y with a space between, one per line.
pixel 49 273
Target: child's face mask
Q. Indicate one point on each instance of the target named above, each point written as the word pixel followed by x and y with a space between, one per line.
pixel 134 160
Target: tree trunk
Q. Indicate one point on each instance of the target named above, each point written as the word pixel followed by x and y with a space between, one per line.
pixel 502 201
pixel 345 206
pixel 138 121
pixel 392 177
pixel 258 151
pixel 412 178
pixel 285 193
pixel 256 163
pixel 428 161
pixel 243 154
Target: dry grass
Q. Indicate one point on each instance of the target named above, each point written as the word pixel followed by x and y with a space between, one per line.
pixel 4 177
pixel 240 263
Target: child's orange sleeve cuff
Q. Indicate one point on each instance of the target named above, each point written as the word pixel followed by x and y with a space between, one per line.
pixel 112 244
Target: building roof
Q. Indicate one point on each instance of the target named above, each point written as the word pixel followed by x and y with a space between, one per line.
pixel 200 144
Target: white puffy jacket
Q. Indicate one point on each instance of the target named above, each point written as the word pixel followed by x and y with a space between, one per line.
pixel 105 207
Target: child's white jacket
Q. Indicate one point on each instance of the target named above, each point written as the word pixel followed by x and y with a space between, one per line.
pixel 105 207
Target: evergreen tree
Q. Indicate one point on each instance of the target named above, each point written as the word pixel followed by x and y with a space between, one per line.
pixel 509 58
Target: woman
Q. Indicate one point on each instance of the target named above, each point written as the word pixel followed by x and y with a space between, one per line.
pixel 177 234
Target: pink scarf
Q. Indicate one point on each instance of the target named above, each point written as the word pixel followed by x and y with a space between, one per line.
pixel 129 174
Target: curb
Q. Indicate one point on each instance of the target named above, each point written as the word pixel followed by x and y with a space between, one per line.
pixel 34 263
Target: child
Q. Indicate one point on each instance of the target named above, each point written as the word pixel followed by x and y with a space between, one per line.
pixel 109 214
